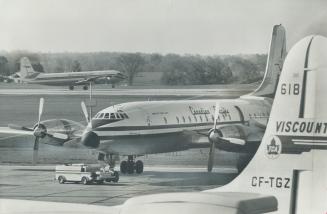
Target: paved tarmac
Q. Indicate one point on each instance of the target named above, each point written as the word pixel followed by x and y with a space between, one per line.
pixel 37 183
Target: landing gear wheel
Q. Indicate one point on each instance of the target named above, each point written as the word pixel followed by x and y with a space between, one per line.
pixel 85 87
pixel 116 179
pixel 61 180
pixel 139 167
pixel 123 167
pixel 71 87
pixel 130 167
pixel 85 181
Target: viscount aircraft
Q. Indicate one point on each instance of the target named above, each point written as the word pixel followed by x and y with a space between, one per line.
pixel 288 173
pixel 28 75
pixel 138 128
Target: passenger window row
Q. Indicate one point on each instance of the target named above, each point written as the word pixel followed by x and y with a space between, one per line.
pixel 259 115
pixel 196 118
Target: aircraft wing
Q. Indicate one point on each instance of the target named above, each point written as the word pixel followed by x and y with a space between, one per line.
pixel 115 74
pixel 201 202
pixel 191 202
pixel 13 206
pixel 9 131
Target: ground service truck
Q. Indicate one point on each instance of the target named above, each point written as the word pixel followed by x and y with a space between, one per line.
pixel 85 174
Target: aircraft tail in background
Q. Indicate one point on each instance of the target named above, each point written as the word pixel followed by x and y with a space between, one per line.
pixel 26 68
pixel 275 60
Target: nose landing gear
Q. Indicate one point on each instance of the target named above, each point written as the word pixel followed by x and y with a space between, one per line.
pixel 130 166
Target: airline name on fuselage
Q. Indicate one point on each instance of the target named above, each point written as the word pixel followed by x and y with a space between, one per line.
pixel 301 127
pixel 198 111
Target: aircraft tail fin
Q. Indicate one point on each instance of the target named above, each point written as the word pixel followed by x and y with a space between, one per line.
pixel 275 60
pixel 26 68
pixel 291 161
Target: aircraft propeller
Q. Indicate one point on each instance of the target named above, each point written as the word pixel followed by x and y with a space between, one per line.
pixel 215 137
pixel 86 114
pixel 39 131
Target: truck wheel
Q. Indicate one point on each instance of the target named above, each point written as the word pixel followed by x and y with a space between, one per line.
pixel 85 181
pixel 61 179
pixel 116 179
pixel 71 87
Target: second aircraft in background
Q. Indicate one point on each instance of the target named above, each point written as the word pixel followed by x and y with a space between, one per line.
pixel 28 75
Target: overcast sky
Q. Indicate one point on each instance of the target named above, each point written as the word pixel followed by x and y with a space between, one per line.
pixel 165 26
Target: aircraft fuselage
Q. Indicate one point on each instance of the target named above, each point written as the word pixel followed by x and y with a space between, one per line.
pixel 138 128
pixel 70 78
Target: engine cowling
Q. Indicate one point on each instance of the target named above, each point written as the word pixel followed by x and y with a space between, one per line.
pixel 63 126
pixel 90 140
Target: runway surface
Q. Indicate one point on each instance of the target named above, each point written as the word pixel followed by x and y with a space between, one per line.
pixel 37 183
pixel 129 92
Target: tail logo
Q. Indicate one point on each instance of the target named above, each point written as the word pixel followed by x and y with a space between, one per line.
pixel 274 148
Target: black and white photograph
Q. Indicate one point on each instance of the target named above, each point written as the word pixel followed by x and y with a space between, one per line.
pixel 163 106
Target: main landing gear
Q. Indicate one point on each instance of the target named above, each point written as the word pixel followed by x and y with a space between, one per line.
pixel 130 166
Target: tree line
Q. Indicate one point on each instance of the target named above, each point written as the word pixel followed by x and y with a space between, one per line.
pixel 176 69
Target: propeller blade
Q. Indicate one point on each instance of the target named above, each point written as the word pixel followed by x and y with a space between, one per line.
pixel 235 141
pixel 86 115
pixel 212 143
pixel 59 136
pixel 40 110
pixel 211 156
pixel 18 127
pixel 216 115
pixel 35 150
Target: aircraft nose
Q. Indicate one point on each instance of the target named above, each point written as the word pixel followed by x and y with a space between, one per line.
pixel 91 139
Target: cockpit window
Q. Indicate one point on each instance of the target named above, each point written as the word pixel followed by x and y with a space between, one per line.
pixel 119 115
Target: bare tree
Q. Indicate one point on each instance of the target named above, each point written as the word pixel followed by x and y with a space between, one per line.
pixel 130 63
pixel 76 66
pixel 4 66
